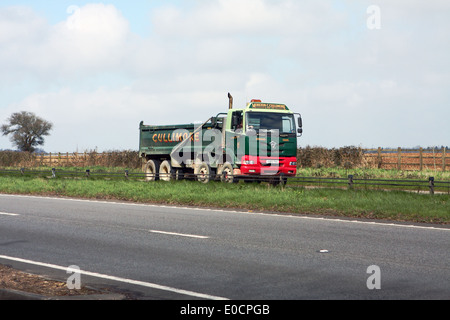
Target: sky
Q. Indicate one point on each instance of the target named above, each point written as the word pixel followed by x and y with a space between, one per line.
pixel 361 73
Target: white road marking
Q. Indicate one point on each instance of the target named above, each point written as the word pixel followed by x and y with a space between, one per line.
pixel 8 214
pixel 119 279
pixel 179 234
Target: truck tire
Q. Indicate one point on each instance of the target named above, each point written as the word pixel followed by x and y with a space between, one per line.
pixel 151 170
pixel 166 172
pixel 226 173
pixel 203 173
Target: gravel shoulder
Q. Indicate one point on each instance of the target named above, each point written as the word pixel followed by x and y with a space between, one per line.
pixel 16 285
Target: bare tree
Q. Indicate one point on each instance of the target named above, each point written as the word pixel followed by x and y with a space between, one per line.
pixel 27 130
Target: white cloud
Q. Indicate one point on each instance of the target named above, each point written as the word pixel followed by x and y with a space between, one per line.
pixel 109 118
pixel 96 80
pixel 92 39
pixel 17 22
pixel 225 18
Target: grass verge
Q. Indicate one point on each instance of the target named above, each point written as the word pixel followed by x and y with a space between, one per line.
pixel 373 204
pixel 372 173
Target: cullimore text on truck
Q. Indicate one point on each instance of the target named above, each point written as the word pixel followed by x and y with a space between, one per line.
pixel 257 143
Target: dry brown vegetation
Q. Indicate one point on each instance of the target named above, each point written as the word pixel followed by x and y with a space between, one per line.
pixel 318 157
pixel 111 159
pixel 349 157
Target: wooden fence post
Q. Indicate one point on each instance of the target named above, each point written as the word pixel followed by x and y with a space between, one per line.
pixel 421 158
pixel 431 184
pixel 350 181
pixel 434 159
pixel 443 158
pixel 380 159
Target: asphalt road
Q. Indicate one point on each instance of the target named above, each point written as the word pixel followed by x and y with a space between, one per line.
pixel 158 252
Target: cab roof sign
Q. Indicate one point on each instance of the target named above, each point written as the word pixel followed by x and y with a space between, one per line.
pixel 267 106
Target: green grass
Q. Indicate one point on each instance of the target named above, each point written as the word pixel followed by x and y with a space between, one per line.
pixel 392 205
pixel 371 173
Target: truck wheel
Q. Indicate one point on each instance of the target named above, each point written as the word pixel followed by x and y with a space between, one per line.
pixel 151 170
pixel 166 172
pixel 226 173
pixel 203 173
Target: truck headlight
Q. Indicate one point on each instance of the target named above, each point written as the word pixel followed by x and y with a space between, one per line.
pixel 293 163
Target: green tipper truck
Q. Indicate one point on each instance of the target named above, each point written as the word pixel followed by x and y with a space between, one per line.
pixel 258 142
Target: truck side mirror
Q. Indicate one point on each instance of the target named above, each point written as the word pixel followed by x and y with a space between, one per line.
pixel 300 125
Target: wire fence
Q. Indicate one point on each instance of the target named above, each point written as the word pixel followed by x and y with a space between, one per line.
pixel 351 182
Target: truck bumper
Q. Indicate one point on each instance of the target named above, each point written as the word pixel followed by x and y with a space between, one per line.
pixel 268 166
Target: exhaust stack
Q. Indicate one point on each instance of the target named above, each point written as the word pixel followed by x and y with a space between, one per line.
pixel 230 98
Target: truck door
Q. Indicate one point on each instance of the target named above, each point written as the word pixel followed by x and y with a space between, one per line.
pixel 234 136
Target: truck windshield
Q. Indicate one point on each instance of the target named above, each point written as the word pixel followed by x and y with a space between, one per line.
pixel 265 121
